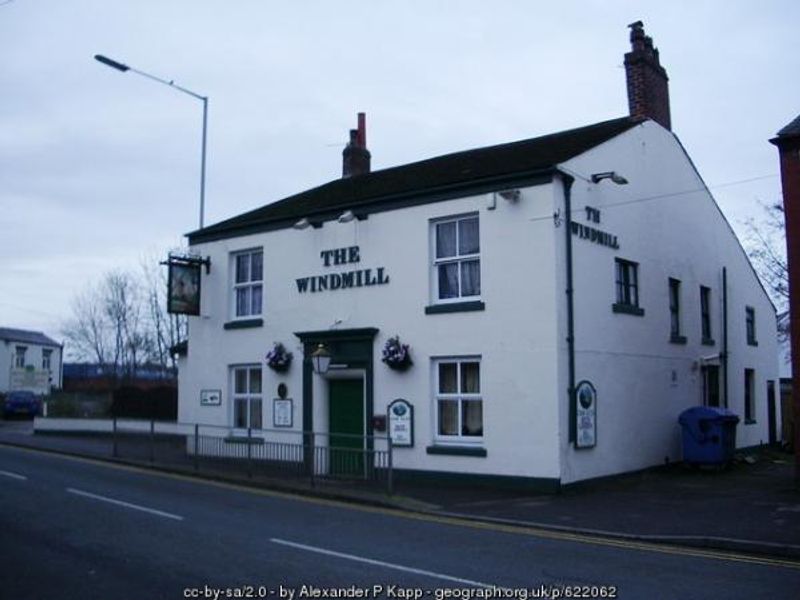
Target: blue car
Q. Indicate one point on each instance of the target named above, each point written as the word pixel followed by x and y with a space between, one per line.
pixel 22 403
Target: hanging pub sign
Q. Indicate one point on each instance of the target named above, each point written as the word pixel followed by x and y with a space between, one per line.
pixel 183 284
pixel 586 415
pixel 401 423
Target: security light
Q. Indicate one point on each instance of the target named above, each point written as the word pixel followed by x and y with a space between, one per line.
pixel 612 175
pixel 302 224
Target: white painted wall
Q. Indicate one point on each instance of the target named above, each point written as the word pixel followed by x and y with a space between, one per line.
pixel 667 222
pixel 33 357
pixel 664 219
pixel 515 336
pixel 6 362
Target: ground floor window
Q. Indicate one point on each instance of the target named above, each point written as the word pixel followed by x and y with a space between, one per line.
pixel 458 400
pixel 711 385
pixel 247 405
pixel 749 396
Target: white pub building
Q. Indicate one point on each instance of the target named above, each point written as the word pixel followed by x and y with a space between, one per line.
pixel 546 308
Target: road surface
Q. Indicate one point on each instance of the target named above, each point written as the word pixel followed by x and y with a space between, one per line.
pixel 74 528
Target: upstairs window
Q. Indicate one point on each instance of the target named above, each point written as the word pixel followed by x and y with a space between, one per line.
pixel 19 357
pixel 705 314
pixel 627 285
pixel 46 359
pixel 248 277
pixel 750 325
pixel 675 311
pixel 456 261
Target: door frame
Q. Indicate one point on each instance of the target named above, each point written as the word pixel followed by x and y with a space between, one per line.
pixel 351 350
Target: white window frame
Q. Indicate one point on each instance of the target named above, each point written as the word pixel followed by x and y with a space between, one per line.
pixel 457 258
pixel 250 284
pixel 626 276
pixel 458 439
pixel 249 395
pixel 19 356
pixel 47 359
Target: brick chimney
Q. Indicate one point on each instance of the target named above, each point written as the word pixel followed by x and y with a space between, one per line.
pixel 788 143
pixel 648 90
pixel 355 156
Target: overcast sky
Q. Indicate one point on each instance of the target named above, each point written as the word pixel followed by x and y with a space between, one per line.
pixel 99 169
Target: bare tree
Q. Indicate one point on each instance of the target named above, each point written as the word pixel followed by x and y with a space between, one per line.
pixel 766 245
pixel 166 329
pixel 87 330
pixel 122 322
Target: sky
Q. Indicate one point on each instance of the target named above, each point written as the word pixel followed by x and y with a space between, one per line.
pixel 100 170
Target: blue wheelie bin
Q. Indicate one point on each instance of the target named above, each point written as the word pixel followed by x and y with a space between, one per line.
pixel 709 435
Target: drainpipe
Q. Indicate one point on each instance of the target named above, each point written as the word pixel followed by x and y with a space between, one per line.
pixel 568 180
pixel 61 367
pixel 724 355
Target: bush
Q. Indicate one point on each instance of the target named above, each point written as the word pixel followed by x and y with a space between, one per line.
pixel 79 405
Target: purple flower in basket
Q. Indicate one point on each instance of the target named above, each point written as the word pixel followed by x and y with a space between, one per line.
pixel 395 354
pixel 279 358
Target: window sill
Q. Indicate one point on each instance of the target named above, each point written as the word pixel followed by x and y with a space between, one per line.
pixel 456 450
pixel 677 339
pixel 708 342
pixel 752 343
pixel 452 307
pixel 236 439
pixel 244 324
pixel 627 309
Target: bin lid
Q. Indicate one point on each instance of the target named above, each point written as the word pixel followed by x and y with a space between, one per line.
pixel 707 413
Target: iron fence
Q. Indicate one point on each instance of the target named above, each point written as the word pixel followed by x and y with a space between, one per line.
pixel 257 454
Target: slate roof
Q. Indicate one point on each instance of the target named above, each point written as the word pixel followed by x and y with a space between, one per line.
pixel 469 168
pixel 26 337
pixel 792 129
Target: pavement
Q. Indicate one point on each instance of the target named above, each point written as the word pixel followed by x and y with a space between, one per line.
pixel 752 506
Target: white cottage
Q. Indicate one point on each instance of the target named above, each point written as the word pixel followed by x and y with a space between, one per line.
pixel 29 360
pixel 564 299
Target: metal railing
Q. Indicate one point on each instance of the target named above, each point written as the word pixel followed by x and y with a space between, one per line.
pixel 257 454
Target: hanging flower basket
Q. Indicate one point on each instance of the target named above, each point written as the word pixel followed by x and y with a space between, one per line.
pixel 279 358
pixel 396 355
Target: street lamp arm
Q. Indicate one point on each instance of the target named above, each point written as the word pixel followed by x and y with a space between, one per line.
pixel 124 68
pixel 111 63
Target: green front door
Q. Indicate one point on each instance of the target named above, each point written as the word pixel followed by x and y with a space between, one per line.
pixel 346 426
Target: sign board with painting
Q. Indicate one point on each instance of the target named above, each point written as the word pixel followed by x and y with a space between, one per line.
pixel 401 423
pixel 210 397
pixel 184 289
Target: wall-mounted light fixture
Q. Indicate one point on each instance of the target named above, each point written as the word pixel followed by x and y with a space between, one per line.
pixel 349 215
pixel 510 195
pixel 612 175
pixel 346 216
pixel 320 360
pixel 305 223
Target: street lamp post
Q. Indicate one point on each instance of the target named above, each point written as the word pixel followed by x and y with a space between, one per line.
pixel 123 68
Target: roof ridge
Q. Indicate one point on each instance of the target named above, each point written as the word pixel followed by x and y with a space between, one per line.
pixel 455 169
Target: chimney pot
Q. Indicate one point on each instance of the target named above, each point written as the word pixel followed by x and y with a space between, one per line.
pixel 648 88
pixel 355 156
